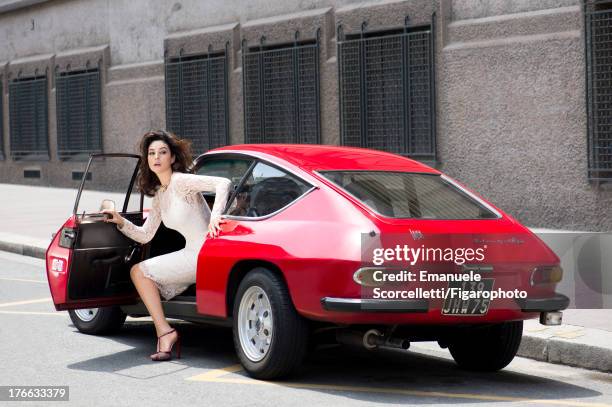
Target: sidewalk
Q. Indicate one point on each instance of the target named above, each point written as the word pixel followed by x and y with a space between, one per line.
pixel 32 214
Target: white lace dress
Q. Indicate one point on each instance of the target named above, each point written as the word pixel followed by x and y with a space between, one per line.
pixel 180 207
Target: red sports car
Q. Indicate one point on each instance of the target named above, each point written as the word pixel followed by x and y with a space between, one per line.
pixel 323 242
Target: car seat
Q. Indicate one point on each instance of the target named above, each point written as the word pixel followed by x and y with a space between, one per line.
pixel 272 194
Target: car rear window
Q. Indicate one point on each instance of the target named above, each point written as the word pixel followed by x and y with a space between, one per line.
pixel 409 195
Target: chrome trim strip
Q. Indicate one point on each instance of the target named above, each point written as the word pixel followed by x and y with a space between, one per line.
pixel 271 159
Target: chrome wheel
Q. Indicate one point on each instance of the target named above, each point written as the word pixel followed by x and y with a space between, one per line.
pixel 86 314
pixel 255 323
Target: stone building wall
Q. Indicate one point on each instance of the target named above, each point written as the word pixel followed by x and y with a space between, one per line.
pixel 509 74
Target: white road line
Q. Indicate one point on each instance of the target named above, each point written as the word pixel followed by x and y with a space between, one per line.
pixel 10 304
pixel 24 280
pixel 61 314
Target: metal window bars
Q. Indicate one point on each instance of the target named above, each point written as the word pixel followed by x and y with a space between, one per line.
pixel 281 92
pixel 387 90
pixel 1 119
pixel 196 98
pixel 78 113
pixel 28 118
pixel 598 48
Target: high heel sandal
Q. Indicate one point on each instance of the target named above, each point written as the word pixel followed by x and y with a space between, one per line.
pixel 162 355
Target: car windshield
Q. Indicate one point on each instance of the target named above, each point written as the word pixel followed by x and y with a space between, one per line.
pixel 409 195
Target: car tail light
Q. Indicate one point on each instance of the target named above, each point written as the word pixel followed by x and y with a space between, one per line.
pixel 546 275
pixel 364 276
pixel 58 265
pixel 376 276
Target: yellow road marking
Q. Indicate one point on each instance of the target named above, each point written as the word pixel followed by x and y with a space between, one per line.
pixel 538 329
pixel 10 304
pixel 570 334
pixel 33 313
pixel 23 279
pixel 216 376
pixel 216 373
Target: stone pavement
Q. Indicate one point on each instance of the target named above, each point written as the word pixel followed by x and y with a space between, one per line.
pixel 30 215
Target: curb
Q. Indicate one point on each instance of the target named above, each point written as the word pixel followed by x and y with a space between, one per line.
pixel 25 247
pixel 568 345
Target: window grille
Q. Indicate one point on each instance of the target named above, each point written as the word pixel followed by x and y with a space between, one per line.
pixel 387 93
pixel 1 120
pixel 281 93
pixel 196 99
pixel 28 118
pixel 78 112
pixel 598 46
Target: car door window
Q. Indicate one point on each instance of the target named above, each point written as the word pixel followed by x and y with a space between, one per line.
pixel 108 179
pixel 233 169
pixel 266 190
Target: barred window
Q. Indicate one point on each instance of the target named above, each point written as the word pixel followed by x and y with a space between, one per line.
pixel 1 120
pixel 598 37
pixel 281 93
pixel 196 99
pixel 387 91
pixel 28 118
pixel 78 112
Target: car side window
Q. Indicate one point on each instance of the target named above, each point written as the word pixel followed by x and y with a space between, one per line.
pixel 265 191
pixel 232 168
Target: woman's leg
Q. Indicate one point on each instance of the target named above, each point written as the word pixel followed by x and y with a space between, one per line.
pixel 149 293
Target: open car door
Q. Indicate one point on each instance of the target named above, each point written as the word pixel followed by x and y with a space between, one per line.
pixel 89 260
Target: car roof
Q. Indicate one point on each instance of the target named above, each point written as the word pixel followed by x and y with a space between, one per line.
pixel 326 157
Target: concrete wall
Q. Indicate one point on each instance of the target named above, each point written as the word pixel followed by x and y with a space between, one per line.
pixel 511 120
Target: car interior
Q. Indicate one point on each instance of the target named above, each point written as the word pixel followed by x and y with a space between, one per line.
pixel 373 193
pixel 271 194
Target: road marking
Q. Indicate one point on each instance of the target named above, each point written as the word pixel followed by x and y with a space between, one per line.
pixel 538 329
pixel 10 304
pixel 215 373
pixel 32 313
pixel 217 376
pixel 23 279
pixel 570 334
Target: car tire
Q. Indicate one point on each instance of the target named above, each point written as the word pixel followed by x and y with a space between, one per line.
pixel 263 305
pixel 487 349
pixel 98 321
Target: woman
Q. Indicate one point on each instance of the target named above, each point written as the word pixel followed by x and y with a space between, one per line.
pixel 176 201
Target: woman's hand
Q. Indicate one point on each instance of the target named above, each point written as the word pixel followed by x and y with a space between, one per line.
pixel 114 217
pixel 214 227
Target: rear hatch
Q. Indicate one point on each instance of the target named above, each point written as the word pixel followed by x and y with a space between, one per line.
pixel 432 230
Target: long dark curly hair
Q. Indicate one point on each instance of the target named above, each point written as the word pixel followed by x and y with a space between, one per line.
pixel 148 183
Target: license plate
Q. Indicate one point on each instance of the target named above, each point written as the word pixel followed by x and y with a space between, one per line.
pixel 471 306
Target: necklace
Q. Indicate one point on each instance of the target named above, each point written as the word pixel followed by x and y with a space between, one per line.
pixel 164 187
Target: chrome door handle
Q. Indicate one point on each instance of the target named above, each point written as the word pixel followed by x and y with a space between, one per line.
pixel 128 258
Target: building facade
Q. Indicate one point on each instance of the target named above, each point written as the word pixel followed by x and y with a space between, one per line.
pixel 511 97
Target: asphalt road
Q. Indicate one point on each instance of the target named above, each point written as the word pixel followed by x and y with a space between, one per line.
pixel 40 346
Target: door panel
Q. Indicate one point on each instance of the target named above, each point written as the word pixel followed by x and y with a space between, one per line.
pixel 89 261
pixel 101 262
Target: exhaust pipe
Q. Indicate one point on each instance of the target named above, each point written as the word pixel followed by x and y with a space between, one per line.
pixel 551 318
pixel 370 340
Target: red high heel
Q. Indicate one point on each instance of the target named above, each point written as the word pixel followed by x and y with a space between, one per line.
pixel 162 355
